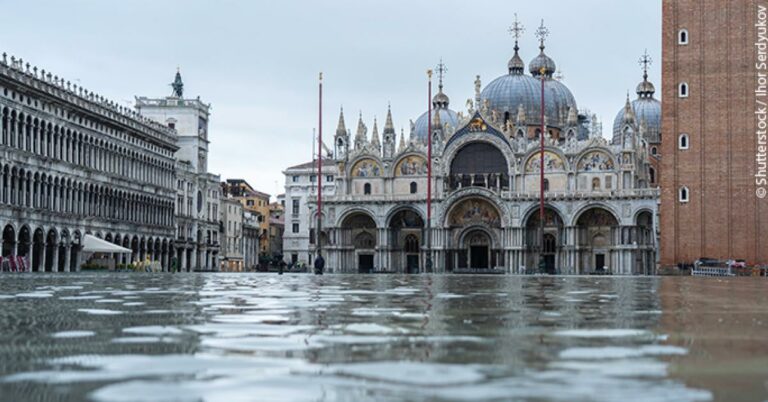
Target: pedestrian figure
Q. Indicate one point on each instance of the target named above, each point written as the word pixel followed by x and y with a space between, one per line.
pixel 319 265
pixel 279 269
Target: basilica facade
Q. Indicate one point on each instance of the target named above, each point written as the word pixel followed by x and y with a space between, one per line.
pixel 601 203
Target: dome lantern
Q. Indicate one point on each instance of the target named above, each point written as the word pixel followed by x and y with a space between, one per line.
pixel 542 64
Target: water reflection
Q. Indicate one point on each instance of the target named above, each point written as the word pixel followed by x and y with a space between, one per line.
pixel 350 338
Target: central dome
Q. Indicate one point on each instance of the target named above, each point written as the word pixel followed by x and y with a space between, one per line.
pixel 508 92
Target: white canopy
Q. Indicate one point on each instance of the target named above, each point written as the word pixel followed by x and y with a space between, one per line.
pixel 92 244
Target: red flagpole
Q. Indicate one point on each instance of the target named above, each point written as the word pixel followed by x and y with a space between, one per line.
pixel 541 171
pixel 319 169
pixel 429 172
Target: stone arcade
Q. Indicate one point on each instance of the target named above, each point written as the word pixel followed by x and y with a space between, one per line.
pixel 601 205
pixel 74 163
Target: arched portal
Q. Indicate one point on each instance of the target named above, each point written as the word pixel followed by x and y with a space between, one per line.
pixel 474 227
pixel 596 233
pixel 359 240
pixel 38 249
pixel 9 241
pixel 24 246
pixel 544 242
pixel 406 228
pixel 51 248
pixel 479 164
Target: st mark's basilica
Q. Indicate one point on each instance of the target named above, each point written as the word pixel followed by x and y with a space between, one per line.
pixel 601 197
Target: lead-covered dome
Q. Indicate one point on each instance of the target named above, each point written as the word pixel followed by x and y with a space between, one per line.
pixel 510 91
pixel 647 110
pixel 440 103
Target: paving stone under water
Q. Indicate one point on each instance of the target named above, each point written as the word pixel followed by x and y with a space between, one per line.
pixel 258 337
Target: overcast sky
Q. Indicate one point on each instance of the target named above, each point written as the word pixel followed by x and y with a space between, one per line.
pixel 256 62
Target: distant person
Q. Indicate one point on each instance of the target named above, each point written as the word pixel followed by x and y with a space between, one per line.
pixel 279 269
pixel 319 265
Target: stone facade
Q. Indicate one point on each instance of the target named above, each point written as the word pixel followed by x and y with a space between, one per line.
pixel 300 201
pixel 709 206
pixel 197 197
pixel 74 164
pixel 600 205
pixel 232 235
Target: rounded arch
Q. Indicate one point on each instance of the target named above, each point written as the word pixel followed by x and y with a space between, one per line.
pixel 592 205
pixel 478 157
pixel 554 161
pixel 392 213
pixel 595 159
pixel 411 164
pixel 474 210
pixel 596 215
pixel 366 166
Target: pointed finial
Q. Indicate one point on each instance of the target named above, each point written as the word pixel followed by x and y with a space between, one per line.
pixel 542 33
pixel 441 70
pixel 645 62
pixel 517 30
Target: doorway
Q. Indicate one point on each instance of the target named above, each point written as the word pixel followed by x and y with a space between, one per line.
pixel 412 263
pixel 599 262
pixel 365 263
pixel 478 257
pixel 548 252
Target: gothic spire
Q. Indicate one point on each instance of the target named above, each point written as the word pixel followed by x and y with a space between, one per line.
pixel 389 127
pixel 375 143
pixel 341 129
pixel 401 148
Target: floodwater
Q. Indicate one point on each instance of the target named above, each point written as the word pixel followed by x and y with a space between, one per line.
pixel 263 337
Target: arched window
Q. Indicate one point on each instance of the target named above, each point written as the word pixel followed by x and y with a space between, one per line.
pixel 596 184
pixel 683 142
pixel 684 194
pixel 682 37
pixel 654 151
pixel 652 174
pixel 683 90
pixel 546 184
pixel 414 187
pixel 367 189
pixel 411 244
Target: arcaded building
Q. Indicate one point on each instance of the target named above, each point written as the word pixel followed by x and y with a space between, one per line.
pixel 74 164
pixel 713 167
pixel 601 207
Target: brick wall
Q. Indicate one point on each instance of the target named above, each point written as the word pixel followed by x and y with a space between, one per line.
pixel 724 218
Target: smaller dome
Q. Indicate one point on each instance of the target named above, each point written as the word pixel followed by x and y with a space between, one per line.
pixel 645 89
pixel 542 61
pixel 446 116
pixel 440 100
pixel 516 65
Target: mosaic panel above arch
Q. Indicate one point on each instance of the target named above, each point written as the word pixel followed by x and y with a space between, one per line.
pixel 475 211
pixel 552 163
pixel 595 161
pixel 366 168
pixel 411 166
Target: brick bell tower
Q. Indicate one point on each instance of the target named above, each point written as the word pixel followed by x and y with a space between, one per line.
pixel 712 202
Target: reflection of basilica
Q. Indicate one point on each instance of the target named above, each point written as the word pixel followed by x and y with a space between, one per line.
pixel 601 202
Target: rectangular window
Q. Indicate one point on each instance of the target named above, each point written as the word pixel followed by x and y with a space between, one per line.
pixel 329 179
pixel 295 179
pixel 312 179
pixel 295 228
pixel 295 207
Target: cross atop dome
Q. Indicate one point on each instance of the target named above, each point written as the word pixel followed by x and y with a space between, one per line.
pixel 645 62
pixel 517 30
pixel 441 70
pixel 542 33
